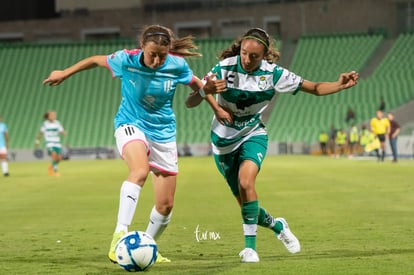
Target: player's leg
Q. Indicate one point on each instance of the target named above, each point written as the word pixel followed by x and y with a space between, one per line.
pixel 228 166
pixel 160 217
pixel 249 209
pixel 164 190
pixel 56 158
pixel 382 146
pixel 4 163
pixel 163 162
pixel 393 145
pixel 133 148
pixel 281 229
pixel 253 153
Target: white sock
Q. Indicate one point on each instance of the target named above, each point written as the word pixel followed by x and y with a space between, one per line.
pixel 128 200
pixel 157 223
pixel 4 167
pixel 250 229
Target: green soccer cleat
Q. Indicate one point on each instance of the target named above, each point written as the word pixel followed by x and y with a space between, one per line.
pixel 161 259
pixel 115 239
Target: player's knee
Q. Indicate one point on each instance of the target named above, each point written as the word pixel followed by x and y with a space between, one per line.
pixel 246 185
pixel 138 176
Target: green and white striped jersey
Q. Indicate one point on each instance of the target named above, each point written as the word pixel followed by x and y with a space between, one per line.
pixel 247 96
pixel 51 132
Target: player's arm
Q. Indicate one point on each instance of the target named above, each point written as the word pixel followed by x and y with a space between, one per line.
pixel 58 76
pixel 345 81
pixel 211 87
pixel 221 114
pixel 202 90
pixel 38 137
pixel 194 98
pixel 388 129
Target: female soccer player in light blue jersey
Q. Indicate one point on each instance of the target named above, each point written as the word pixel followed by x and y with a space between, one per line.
pixel 145 129
pixel 239 137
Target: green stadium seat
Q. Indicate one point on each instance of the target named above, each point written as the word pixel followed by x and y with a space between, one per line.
pixel 88 102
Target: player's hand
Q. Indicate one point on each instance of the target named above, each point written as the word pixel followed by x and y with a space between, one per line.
pixel 348 80
pixel 214 85
pixel 55 78
pixel 224 116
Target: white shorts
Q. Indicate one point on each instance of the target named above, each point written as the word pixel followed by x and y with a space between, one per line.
pixel 3 151
pixel 162 157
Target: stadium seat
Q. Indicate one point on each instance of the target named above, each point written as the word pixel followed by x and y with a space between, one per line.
pixel 88 102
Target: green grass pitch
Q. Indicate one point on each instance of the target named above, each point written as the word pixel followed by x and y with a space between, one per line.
pixel 352 217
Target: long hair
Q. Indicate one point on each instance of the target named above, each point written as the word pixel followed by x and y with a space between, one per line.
pixel 164 36
pixel 271 55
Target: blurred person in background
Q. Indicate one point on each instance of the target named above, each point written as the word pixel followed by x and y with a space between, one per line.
pixel 381 106
pixel 353 137
pixel 340 141
pixel 331 142
pixel 4 146
pixel 393 136
pixel 52 130
pixel 380 126
pixel 323 142
pixel 364 137
pixel 350 116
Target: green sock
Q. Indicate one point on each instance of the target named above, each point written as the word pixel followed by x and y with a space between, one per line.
pixel 55 165
pixel 267 220
pixel 250 215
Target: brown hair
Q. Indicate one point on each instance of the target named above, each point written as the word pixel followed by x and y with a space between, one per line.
pixel 164 36
pixel 271 55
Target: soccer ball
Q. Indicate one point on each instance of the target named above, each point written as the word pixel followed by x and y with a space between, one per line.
pixel 136 251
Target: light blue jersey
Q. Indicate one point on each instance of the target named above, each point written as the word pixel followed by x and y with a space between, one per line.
pixel 147 94
pixel 3 131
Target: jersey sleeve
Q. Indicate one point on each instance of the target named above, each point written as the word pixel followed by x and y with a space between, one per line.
pixel 61 129
pixel 43 128
pixel 115 61
pixel 286 81
pixel 216 70
pixel 186 76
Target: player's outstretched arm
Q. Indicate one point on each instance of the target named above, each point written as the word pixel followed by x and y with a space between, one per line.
pixel 345 81
pixel 58 76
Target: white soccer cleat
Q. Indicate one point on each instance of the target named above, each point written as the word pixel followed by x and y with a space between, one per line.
pixel 248 255
pixel 288 239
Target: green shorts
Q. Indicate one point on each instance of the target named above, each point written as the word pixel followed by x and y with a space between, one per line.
pixel 57 150
pixel 254 149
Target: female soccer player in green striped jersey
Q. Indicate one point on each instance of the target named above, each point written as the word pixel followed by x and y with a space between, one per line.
pixel 239 137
